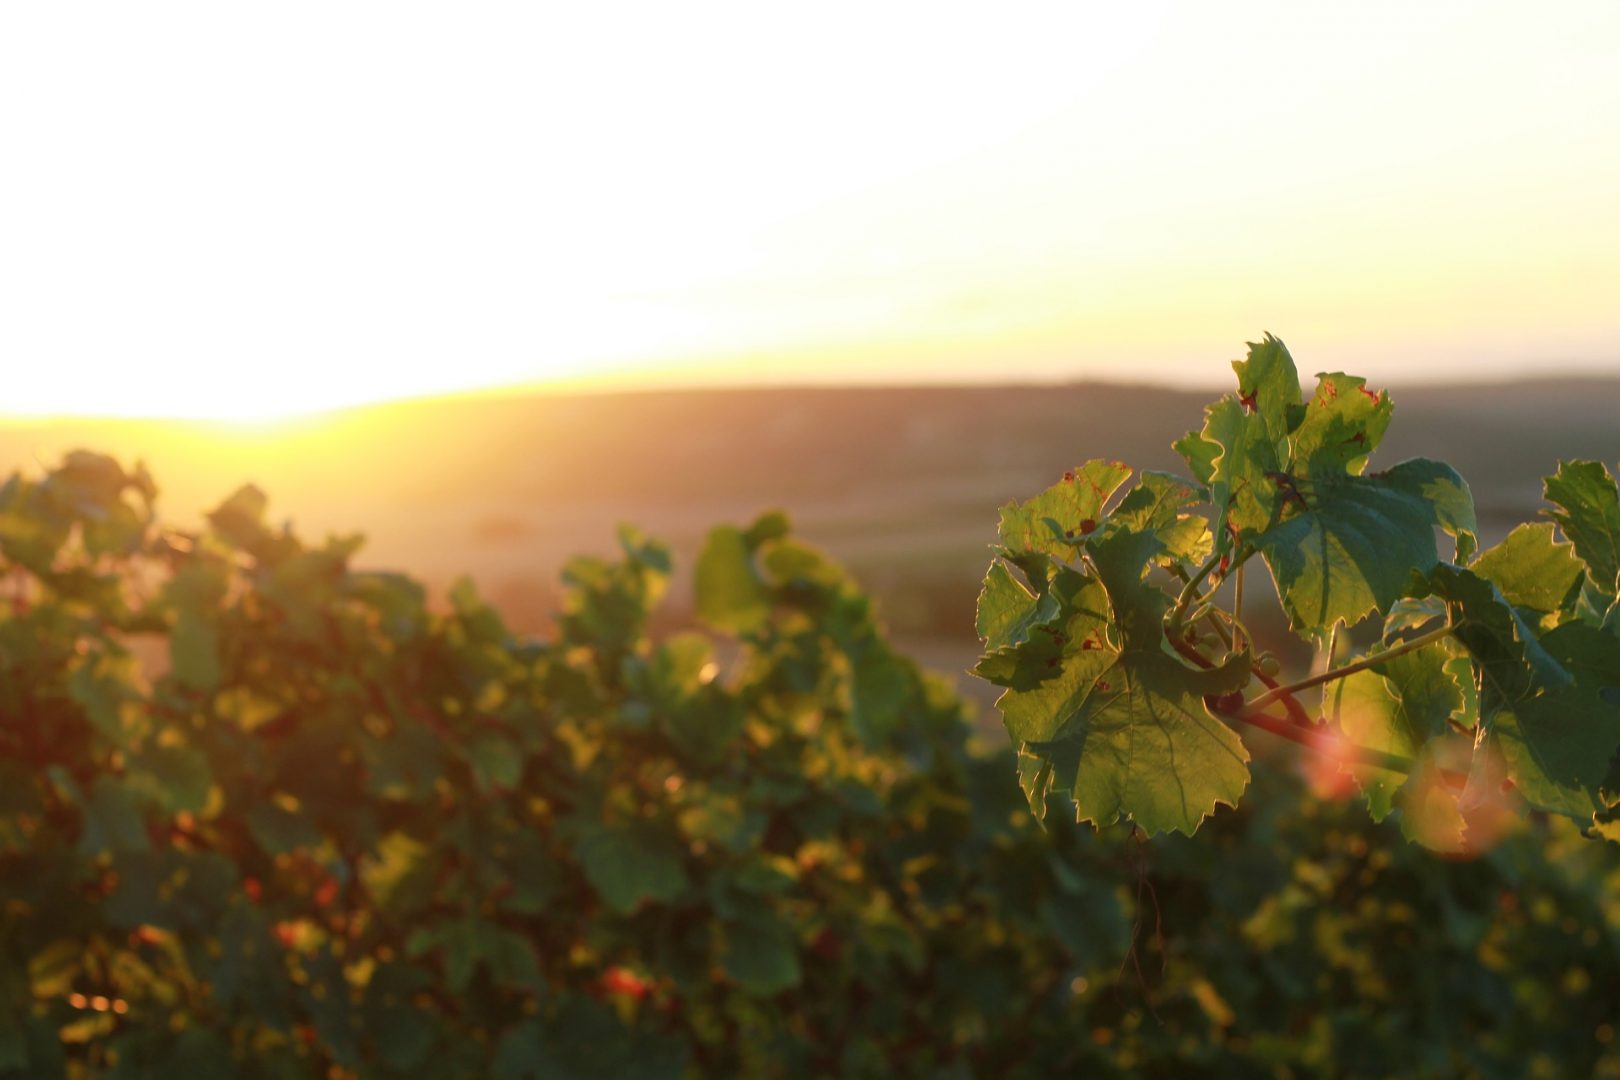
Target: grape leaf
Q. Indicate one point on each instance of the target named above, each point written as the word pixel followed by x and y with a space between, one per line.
pixel 1559 743
pixel 1007 611
pixel 1532 569
pixel 1200 455
pixel 1396 708
pixel 1158 504
pixel 1510 664
pixel 630 864
pixel 1124 729
pixel 1244 439
pixel 1354 547
pixel 1244 457
pixel 1068 510
pixel 1589 514
pixel 761 953
pixel 730 595
pixel 1268 385
pixel 196 592
pixel 1079 615
pixel 1343 423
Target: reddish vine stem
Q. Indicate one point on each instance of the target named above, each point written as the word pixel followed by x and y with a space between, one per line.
pixel 1412 645
pixel 1311 737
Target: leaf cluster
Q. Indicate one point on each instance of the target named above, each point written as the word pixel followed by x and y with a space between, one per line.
pixel 1112 616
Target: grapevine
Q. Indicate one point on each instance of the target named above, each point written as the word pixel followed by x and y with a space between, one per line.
pixel 1113 617
pixel 266 813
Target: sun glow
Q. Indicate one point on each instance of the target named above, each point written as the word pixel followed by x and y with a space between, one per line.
pixel 223 213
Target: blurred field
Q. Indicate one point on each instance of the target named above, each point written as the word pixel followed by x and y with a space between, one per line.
pixel 901 484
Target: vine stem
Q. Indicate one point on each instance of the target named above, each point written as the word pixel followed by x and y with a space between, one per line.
pixel 1366 662
pixel 1296 711
pixel 1322 741
pixel 1309 736
pixel 1190 589
pixel 1237 609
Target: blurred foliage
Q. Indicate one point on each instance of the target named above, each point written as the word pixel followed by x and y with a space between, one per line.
pixel 266 815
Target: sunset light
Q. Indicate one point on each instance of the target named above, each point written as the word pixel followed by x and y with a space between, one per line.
pixel 786 541
pixel 216 213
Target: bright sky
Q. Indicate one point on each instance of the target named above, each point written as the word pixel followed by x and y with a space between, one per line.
pixel 237 210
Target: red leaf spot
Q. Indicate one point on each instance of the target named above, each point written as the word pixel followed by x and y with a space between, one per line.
pixel 1247 401
pixel 1087 525
pixel 1375 396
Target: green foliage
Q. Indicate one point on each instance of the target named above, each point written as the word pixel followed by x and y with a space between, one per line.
pixel 266 815
pixel 1492 668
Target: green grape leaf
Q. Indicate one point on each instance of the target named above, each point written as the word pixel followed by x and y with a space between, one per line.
pixel 730 595
pixel 112 818
pixel 1510 664
pixel 1268 385
pixel 1396 707
pixel 1124 729
pixel 1343 423
pixel 878 687
pixel 761 953
pixel 1065 513
pixel 1244 441
pixel 1589 514
pixel 771 525
pixel 404 1033
pixel 497 763
pixel 196 592
pixel 1241 487
pixel 105 686
pixel 1080 624
pixel 631 864
pixel 239 520
pixel 1531 568
pixel 1158 504
pixel 1431 806
pixel 1355 545
pixel 1007 611
pixel 177 778
pixel 1558 744
pixel 522 1054
pixel 278 830
pixel 1200 455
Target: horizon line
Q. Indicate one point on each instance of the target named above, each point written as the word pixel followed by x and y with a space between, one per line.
pixel 612 386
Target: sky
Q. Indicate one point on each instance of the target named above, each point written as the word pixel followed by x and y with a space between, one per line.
pixel 225 210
